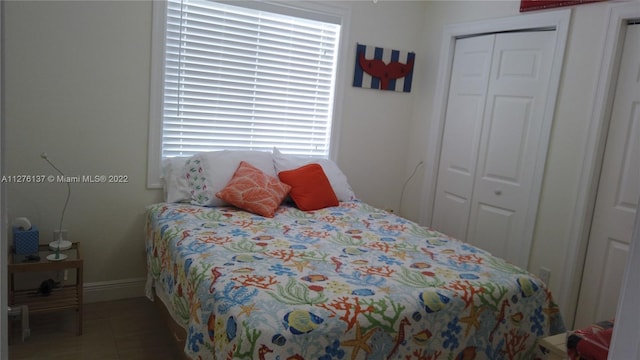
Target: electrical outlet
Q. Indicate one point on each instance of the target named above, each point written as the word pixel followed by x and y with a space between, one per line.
pixel 65 234
pixel 545 275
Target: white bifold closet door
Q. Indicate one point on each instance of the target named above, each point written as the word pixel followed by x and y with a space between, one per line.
pixel 492 139
pixel 617 196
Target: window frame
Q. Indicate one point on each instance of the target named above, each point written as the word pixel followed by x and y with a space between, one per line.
pixel 340 15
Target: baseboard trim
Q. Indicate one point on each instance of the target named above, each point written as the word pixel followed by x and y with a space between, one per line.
pixel 113 290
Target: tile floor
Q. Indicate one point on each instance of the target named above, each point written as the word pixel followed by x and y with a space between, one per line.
pixel 122 329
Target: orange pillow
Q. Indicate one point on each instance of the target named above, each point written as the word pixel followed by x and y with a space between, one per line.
pixel 310 187
pixel 252 190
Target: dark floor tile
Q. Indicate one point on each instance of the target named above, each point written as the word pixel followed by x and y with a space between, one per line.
pixel 123 329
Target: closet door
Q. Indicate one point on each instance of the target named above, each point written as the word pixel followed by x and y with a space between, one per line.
pixel 492 138
pixel 503 193
pixel 617 196
pixel 461 138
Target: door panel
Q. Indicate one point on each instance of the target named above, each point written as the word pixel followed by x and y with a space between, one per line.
pixel 508 132
pixel 509 144
pixel 463 122
pixel 493 223
pixel 627 194
pixel 617 196
pixel 614 261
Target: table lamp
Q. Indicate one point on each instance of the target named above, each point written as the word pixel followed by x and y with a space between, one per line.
pixel 59 244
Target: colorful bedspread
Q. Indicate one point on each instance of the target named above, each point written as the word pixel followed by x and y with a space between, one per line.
pixel 346 282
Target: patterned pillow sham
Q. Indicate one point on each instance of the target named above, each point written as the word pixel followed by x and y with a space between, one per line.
pixel 254 191
pixel 211 171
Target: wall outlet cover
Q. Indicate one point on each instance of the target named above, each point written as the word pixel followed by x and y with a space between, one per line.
pixel 545 275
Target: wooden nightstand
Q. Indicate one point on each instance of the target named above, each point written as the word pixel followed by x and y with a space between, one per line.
pixel 556 344
pixel 63 297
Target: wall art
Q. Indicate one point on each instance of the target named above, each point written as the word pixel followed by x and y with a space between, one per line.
pixel 384 69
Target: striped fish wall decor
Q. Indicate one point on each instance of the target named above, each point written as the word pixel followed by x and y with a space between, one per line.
pixel 384 69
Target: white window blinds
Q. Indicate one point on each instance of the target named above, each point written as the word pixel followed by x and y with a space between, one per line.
pixel 240 78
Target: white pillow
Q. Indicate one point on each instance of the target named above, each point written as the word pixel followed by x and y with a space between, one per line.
pixel 176 187
pixel 336 177
pixel 211 171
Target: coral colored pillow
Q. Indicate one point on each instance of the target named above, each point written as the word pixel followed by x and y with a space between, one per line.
pixel 337 178
pixel 252 190
pixel 310 187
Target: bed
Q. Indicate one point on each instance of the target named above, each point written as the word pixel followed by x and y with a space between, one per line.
pixel 348 281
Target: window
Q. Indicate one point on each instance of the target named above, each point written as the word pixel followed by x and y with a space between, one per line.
pixel 234 77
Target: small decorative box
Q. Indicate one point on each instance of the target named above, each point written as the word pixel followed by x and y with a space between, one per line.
pixel 25 242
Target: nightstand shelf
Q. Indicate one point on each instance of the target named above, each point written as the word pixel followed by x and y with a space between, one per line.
pixel 63 297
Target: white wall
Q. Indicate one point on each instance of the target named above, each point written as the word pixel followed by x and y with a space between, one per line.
pixel 77 76
pixel 375 124
pixel 77 87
